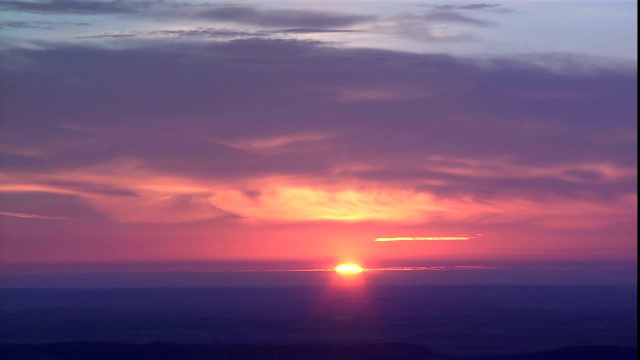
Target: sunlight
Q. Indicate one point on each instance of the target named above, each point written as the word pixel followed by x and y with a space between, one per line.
pixel 349 269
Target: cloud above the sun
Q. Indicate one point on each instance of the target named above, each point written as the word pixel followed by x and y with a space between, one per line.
pixel 261 125
pixel 192 130
pixel 426 238
pixel 283 17
pixel 175 136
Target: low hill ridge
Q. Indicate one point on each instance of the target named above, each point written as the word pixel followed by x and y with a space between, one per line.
pixel 377 351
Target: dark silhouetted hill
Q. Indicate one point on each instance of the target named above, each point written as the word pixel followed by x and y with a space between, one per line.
pixel 171 351
pixel 572 353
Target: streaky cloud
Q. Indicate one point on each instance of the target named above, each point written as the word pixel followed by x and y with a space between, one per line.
pixel 312 31
pixel 464 7
pixel 431 268
pixel 74 6
pixel 455 17
pixel 177 33
pixel 311 121
pixel 254 143
pixel 33 216
pixel 418 27
pixel 427 238
pixel 284 17
pixel 17 24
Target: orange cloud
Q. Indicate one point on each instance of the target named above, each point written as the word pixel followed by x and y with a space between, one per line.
pixel 128 191
pixel 425 238
pixel 504 166
pixel 282 202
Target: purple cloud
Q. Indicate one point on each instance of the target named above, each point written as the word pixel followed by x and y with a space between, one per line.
pixel 192 33
pixel 454 17
pixel 72 6
pixel 284 17
pixel 205 129
pixel 464 7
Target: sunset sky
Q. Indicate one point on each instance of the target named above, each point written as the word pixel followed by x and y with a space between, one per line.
pixel 452 132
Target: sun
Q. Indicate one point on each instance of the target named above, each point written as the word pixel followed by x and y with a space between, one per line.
pixel 349 269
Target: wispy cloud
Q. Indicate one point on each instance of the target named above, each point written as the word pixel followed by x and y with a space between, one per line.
pixel 312 31
pixel 453 17
pixel 33 216
pixel 439 23
pixel 285 148
pixel 284 17
pixel 205 33
pixel 387 93
pixel 276 141
pixel 431 268
pixel 17 24
pixel 417 28
pixel 73 6
pixel 464 7
pixel 198 32
pixel 280 143
pixel 427 238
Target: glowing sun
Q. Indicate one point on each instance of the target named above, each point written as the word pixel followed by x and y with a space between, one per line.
pixel 349 269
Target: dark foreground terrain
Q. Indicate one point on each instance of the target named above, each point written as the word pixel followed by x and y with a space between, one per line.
pixel 169 351
pixel 389 322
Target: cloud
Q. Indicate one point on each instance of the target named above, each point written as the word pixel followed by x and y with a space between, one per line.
pixel 111 35
pixel 273 131
pixel 425 238
pixel 178 33
pixel 32 216
pixel 207 32
pixel 38 24
pixel 72 6
pixel 312 31
pixel 418 27
pixel 284 17
pixel 464 7
pixel 125 191
pixel 213 33
pixel 275 142
pixel 489 178
pixel 431 268
pixel 79 187
pixel 454 17
pixel 441 23
pixel 154 197
pixel 279 202
pixel 160 207
pixel 357 95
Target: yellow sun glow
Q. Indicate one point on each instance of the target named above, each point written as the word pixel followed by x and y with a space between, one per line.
pixel 349 269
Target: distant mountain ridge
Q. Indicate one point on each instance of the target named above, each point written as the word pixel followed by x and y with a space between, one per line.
pixel 378 351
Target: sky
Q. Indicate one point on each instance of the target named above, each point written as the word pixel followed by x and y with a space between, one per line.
pixel 236 132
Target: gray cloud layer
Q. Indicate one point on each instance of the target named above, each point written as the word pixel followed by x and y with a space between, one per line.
pixel 408 117
pixel 72 6
pixel 284 17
